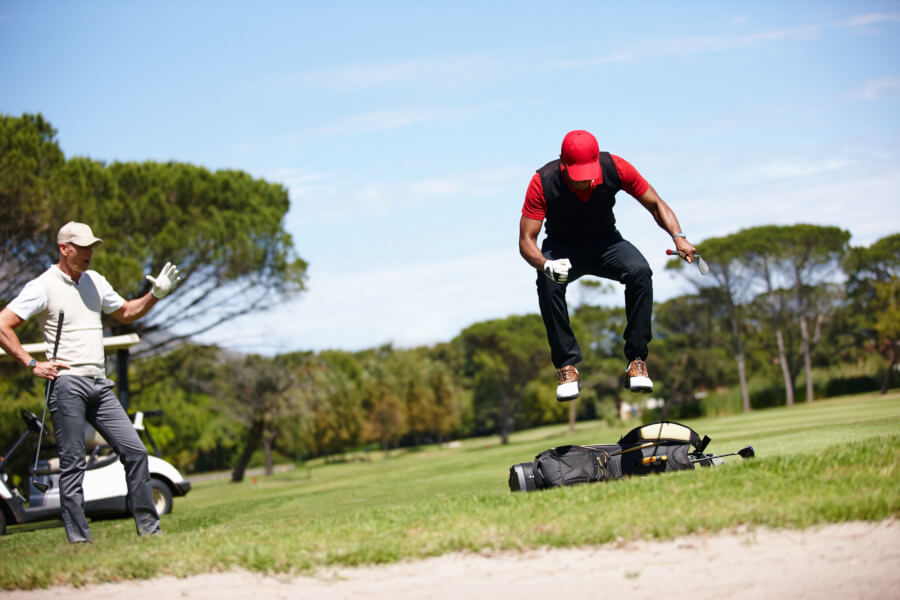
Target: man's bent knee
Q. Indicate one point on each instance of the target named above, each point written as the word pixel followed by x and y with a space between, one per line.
pixel 638 273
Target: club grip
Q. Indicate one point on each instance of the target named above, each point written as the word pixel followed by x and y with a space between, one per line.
pixel 59 323
pixel 671 252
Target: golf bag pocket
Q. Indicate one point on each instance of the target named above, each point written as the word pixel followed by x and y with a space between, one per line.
pixel 678 458
pixel 656 459
pixel 567 465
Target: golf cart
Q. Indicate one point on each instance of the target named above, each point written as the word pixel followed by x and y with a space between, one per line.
pixel 105 492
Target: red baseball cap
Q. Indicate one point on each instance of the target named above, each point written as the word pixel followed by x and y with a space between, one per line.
pixel 581 155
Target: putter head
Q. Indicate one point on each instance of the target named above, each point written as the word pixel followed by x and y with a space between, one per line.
pixel 747 452
pixel 40 486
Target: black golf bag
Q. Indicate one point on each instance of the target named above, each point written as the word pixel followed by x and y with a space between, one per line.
pixel 654 448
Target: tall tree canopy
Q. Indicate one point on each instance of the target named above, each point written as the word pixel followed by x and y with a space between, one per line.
pixel 223 229
pixel 728 258
pixel 29 160
pixel 502 356
pixel 873 289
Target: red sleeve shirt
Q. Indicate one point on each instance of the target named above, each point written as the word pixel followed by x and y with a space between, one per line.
pixel 535 206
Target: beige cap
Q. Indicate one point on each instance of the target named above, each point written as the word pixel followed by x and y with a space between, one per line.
pixel 78 234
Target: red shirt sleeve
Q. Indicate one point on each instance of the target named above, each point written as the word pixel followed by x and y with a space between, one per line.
pixel 535 206
pixel 632 181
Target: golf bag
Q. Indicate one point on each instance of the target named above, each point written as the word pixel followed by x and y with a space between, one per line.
pixel 654 448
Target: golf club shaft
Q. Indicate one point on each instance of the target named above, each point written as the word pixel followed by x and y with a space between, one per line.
pixel 641 447
pixel 37 450
pixel 711 456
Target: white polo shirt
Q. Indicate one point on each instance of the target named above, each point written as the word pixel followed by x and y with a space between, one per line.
pixel 81 341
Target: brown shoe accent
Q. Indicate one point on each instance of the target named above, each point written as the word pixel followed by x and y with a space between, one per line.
pixel 637 368
pixel 567 374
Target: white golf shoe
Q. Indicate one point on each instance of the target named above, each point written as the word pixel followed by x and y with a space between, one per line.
pixel 569 384
pixel 637 378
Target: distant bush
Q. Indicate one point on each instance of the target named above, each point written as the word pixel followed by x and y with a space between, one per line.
pixel 842 386
pixel 773 395
pixel 718 404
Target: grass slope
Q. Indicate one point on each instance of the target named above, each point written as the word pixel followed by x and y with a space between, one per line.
pixel 830 461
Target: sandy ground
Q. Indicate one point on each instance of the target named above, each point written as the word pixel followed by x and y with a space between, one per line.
pixel 850 561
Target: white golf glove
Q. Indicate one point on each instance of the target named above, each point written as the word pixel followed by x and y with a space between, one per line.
pixel 165 281
pixel 557 270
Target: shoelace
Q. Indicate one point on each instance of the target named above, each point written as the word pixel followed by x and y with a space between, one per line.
pixel 638 368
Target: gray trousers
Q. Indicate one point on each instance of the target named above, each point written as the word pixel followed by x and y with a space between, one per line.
pixel 75 400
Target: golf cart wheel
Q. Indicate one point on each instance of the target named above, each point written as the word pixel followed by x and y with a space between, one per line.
pixel 162 496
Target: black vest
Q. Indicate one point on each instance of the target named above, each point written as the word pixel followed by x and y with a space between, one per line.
pixel 571 220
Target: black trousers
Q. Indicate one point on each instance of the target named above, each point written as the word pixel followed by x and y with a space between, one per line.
pixel 617 260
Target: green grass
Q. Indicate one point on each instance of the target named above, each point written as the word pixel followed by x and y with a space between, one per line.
pixel 831 461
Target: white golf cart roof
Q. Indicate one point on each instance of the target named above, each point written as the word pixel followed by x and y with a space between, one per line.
pixel 110 344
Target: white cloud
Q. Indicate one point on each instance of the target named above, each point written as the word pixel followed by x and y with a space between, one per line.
pixel 789 168
pixel 863 204
pixel 701 44
pixel 386 120
pixel 377 121
pixel 463 70
pixel 406 304
pixel 715 44
pixel 875 89
pixel 448 70
pixel 874 19
pixel 324 197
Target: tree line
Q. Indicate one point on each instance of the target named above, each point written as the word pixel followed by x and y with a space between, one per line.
pixel 781 305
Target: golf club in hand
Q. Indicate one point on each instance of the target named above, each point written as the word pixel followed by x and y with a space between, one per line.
pixel 39 485
pixel 701 264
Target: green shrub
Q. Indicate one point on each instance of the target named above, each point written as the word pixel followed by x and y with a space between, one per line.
pixel 842 386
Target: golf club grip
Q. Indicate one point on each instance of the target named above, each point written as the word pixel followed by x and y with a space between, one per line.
pixel 671 252
pixel 59 323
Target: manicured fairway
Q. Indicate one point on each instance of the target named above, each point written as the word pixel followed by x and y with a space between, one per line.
pixel 831 461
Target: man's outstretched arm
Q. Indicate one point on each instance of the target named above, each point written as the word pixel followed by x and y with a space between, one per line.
pixel 666 219
pixel 136 308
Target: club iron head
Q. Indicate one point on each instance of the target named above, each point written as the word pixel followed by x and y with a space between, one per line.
pixel 698 260
pixel 747 452
pixel 40 486
pixel 701 265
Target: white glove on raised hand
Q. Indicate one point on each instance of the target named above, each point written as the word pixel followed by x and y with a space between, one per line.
pixel 557 270
pixel 165 281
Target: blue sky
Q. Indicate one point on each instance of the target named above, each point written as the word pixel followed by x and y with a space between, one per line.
pixel 407 132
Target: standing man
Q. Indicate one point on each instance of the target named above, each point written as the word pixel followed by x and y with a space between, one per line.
pixel 81 392
pixel 576 194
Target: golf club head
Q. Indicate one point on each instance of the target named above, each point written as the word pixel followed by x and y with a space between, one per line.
pixel 40 486
pixel 701 264
pixel 698 260
pixel 747 452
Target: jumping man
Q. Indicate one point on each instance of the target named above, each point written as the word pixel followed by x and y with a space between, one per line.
pixel 575 194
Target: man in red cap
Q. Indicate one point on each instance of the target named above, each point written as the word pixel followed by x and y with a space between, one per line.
pixel 575 194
